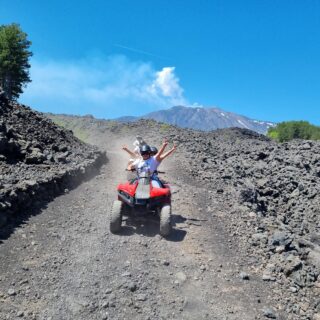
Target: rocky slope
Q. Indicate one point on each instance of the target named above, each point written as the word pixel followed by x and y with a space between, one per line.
pixel 205 119
pixel 274 189
pixel 38 159
pixel 271 190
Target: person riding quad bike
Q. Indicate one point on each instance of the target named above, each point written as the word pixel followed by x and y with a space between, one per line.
pixel 144 194
pixel 153 152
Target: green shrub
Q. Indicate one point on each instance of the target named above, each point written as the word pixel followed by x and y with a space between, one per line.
pixel 273 134
pixel 164 127
pixel 286 131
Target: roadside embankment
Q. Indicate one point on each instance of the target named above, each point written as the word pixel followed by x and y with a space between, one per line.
pixel 38 159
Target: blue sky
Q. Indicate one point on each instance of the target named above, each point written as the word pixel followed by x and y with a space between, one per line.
pixel 115 58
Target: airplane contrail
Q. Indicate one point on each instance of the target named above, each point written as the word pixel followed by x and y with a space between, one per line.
pixel 139 51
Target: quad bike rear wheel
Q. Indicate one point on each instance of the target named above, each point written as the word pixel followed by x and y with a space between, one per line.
pixel 165 220
pixel 116 216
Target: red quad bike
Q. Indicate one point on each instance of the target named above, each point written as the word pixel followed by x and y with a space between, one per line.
pixel 138 197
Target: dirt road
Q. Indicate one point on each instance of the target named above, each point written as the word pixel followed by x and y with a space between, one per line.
pixel 63 263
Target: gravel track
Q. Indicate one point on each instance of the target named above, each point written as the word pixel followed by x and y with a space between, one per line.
pixel 65 264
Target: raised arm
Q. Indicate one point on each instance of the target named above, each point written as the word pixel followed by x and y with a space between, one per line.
pixel 160 152
pixel 132 154
pixel 168 152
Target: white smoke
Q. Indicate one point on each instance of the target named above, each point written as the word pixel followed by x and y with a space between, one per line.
pixel 167 85
pixel 109 87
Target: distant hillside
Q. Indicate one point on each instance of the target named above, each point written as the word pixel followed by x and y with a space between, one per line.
pixel 203 119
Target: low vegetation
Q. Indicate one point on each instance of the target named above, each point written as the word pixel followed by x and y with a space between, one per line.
pixel 286 131
pixel 164 127
pixel 73 125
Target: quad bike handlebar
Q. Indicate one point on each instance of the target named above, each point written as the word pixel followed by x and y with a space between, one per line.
pixel 133 170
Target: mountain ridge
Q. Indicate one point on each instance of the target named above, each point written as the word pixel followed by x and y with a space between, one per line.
pixel 200 118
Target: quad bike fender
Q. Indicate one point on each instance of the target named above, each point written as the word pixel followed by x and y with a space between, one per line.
pixel 159 192
pixel 130 189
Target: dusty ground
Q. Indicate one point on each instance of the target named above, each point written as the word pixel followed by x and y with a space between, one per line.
pixel 63 263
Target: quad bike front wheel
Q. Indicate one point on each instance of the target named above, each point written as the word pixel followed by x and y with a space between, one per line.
pixel 165 220
pixel 116 216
